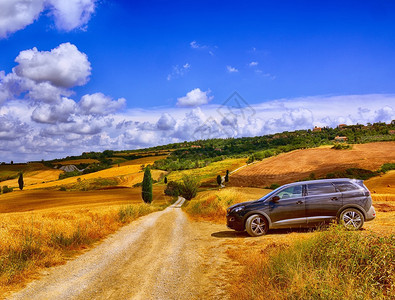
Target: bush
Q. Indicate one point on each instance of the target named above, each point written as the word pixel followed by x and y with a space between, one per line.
pixel 387 167
pixel 6 189
pixel 219 179
pixel 189 187
pixel 341 146
pixel 173 189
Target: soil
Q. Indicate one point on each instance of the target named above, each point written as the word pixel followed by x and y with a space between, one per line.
pixel 299 164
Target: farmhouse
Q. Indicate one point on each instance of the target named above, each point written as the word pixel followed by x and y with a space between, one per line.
pixel 341 138
pixel 317 129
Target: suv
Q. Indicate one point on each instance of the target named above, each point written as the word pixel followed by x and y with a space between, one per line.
pixel 304 204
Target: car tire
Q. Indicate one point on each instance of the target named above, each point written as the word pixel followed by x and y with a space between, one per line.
pixel 352 219
pixel 256 225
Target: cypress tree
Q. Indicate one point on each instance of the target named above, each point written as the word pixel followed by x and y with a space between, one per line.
pixel 227 176
pixel 146 190
pixel 219 179
pixel 165 180
pixel 20 181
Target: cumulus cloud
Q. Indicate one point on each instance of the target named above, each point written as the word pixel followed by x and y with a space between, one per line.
pixel 166 122
pixel 68 15
pixel 231 69
pixel 64 66
pixel 195 45
pixel 72 14
pixel 53 114
pixel 17 14
pixel 99 104
pixel 195 97
pixel 253 64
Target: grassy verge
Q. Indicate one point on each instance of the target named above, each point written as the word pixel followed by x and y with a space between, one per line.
pixel 212 205
pixel 333 264
pixel 41 239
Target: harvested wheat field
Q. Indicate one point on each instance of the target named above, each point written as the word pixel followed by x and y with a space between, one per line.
pixel 35 177
pixel 299 164
pixel 23 201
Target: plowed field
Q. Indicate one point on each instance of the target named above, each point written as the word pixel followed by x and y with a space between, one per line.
pixel 299 164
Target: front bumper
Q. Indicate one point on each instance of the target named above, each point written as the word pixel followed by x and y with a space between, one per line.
pixel 235 222
pixel 371 214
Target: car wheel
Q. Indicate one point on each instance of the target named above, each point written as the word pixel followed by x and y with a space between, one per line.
pixel 352 219
pixel 256 225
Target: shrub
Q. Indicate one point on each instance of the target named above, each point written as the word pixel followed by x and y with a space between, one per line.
pixel 189 187
pixel 227 176
pixel 6 189
pixel 173 189
pixel 387 167
pixel 341 146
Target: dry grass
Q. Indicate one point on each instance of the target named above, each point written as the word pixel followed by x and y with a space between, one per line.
pixel 383 184
pixel 45 228
pixel 144 160
pixel 331 264
pixel 212 205
pixel 299 164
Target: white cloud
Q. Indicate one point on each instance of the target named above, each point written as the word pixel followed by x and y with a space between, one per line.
pixel 253 64
pixel 99 104
pixel 231 69
pixel 178 71
pixel 68 15
pixel 47 130
pixel 53 114
pixel 17 14
pixel 63 66
pixel 72 14
pixel 197 46
pixel 166 122
pixel 195 97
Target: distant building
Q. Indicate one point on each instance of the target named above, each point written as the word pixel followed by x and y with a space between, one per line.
pixel 341 126
pixel 317 129
pixel 392 132
pixel 341 139
pixel 196 146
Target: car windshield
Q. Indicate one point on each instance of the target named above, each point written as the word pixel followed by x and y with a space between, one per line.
pixel 269 195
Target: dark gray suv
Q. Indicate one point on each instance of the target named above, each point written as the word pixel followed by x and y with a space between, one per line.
pixel 303 204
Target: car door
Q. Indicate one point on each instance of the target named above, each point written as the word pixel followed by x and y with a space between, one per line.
pixel 289 209
pixel 322 202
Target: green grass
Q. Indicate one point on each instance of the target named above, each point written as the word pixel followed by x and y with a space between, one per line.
pixel 333 264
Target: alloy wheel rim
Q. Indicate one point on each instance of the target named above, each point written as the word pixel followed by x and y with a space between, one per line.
pixel 352 220
pixel 258 226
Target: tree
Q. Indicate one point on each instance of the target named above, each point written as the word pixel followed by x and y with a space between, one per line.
pixel 146 190
pixel 189 187
pixel 219 179
pixel 227 176
pixel 165 180
pixel 20 181
pixel 12 162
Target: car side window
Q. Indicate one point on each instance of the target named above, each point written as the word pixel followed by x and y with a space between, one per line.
pixel 320 188
pixel 290 192
pixel 345 186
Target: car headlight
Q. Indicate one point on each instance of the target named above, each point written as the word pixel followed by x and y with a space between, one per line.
pixel 237 209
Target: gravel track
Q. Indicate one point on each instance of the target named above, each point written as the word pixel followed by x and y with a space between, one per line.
pixel 159 256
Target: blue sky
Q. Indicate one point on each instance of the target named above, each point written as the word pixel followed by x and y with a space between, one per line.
pixel 142 73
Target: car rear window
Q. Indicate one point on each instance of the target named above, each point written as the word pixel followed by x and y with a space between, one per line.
pixel 345 186
pixel 320 188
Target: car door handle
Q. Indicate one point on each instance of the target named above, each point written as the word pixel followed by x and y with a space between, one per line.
pixel 299 202
pixel 334 198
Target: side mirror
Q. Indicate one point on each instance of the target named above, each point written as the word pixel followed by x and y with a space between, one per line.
pixel 275 199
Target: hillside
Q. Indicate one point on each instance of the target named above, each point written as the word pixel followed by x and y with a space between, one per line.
pixel 299 164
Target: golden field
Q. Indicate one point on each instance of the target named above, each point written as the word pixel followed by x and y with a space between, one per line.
pixel 39 229
pixel 127 174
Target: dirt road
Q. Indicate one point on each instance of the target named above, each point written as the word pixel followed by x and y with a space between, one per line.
pixel 160 256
